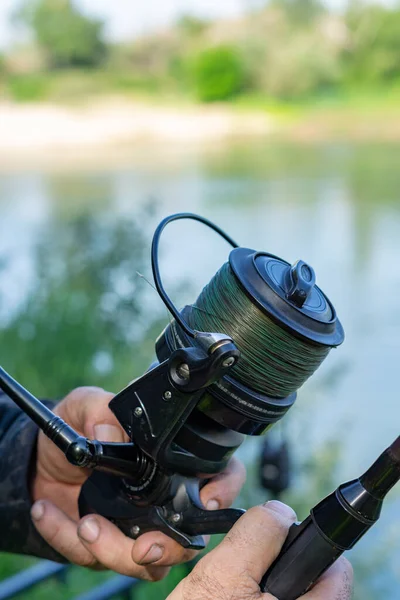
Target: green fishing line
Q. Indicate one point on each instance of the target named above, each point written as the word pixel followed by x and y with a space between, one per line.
pixel 273 361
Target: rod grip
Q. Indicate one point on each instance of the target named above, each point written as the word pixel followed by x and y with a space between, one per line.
pixel 305 556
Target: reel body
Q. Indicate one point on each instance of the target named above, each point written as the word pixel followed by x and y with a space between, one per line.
pixel 182 415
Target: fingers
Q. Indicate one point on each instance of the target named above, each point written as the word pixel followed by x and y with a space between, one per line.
pixel 104 545
pixel 222 490
pixel 110 547
pixel 336 583
pixel 86 409
pixel 60 532
pixel 254 542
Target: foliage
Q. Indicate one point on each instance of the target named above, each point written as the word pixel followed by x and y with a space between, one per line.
pixel 300 12
pixel 191 26
pixel 287 49
pixel 285 63
pixel 68 37
pixel 217 73
pixel 87 293
pixel 374 54
pixel 28 87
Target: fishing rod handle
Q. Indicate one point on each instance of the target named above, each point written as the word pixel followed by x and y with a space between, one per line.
pixel 305 556
pixel 335 525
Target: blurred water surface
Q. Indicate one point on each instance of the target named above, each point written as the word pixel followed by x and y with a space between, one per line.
pixel 75 311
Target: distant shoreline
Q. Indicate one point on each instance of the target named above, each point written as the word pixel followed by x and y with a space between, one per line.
pixel 52 134
pixel 43 128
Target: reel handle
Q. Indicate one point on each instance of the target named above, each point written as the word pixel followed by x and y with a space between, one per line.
pixel 123 459
pixel 181 515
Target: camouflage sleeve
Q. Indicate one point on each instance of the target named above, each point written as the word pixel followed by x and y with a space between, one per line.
pixel 18 437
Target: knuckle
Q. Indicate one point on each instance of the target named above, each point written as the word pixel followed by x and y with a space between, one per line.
pixel 53 534
pixel 189 555
pixel 236 538
pixel 89 562
pixel 82 391
pixel 69 547
pixel 202 584
pixel 276 522
pixel 238 469
pixel 267 519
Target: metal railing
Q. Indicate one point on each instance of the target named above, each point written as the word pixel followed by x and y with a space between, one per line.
pixel 25 580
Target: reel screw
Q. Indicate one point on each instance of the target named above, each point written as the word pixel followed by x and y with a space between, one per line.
pixel 184 371
pixel 138 413
pixel 228 362
pixel 135 530
pixel 167 395
pixel 176 518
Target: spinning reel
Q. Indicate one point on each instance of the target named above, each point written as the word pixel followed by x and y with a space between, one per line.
pixel 210 388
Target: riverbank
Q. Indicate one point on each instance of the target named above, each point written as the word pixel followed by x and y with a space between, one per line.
pixel 45 127
pixel 55 133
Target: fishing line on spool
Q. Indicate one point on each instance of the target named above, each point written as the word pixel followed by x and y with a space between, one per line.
pixel 273 361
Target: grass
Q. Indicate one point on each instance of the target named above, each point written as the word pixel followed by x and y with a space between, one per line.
pixel 78 580
pixel 78 85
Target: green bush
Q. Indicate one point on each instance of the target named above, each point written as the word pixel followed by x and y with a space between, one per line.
pixel 217 74
pixel 27 88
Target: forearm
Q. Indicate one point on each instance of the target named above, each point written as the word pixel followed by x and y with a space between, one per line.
pixel 18 436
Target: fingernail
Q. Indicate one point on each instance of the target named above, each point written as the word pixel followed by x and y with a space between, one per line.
pixel 89 530
pixel 281 509
pixel 37 511
pixel 153 555
pixel 212 505
pixel 108 433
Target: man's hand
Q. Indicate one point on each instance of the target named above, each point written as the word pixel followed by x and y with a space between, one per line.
pixel 233 570
pixel 93 541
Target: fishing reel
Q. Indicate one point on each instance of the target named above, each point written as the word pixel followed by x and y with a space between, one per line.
pixel 194 407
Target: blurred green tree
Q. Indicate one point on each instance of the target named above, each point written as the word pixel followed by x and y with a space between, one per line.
pixel 69 38
pixel 300 12
pixel 217 73
pixel 374 54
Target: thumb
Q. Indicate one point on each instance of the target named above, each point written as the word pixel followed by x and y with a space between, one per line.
pixel 255 540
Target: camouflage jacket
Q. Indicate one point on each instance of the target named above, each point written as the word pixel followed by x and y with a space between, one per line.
pixel 17 466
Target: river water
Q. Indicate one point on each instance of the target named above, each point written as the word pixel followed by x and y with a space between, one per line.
pixel 336 206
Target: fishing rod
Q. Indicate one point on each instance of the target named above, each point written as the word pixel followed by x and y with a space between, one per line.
pixel 229 365
pixel 335 525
